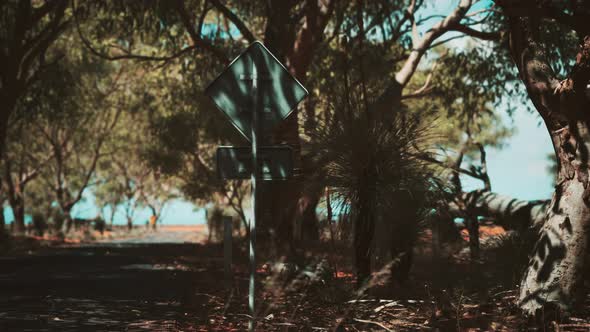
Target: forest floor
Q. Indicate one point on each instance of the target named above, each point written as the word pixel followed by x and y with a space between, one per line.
pixel 138 283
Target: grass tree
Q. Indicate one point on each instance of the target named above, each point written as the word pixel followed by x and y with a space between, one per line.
pixel 373 170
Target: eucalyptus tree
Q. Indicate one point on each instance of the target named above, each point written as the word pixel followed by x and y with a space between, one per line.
pixel 550 44
pixel 26 154
pixel 75 155
pixel 123 174
pixel 108 194
pixel 28 30
pixel 23 162
pixel 75 131
pixel 156 193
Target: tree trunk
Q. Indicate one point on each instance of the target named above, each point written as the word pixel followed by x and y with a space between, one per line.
pixel 7 105
pixel 2 220
pixel 15 199
pixel 306 215
pixel 18 209
pixel 68 221
pixel 556 267
pixel 279 199
pixel 3 133
pixel 364 229
pixel 293 44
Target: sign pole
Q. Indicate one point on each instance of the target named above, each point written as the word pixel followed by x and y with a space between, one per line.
pixel 229 92
pixel 254 177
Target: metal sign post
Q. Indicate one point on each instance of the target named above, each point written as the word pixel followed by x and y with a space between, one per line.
pixel 252 246
pixel 256 92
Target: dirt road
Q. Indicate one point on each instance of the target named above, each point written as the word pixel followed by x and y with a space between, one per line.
pixel 122 285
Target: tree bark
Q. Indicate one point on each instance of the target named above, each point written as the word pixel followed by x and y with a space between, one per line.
pixel 2 221
pixel 15 199
pixel 281 198
pixel 555 274
pixel 18 209
pixel 7 106
pixel 67 226
pixel 556 265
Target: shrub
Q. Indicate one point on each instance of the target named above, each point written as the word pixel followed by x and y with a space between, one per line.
pixel 100 225
pixel 39 224
pixel 374 165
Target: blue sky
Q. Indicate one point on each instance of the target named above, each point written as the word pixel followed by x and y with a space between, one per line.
pixel 520 169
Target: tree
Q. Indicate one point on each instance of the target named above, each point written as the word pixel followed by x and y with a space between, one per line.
pixel 75 133
pixel 27 31
pixel 556 268
pixel 26 155
pixel 23 162
pixel 372 167
pixel 125 172
pixel 108 195
pixel 155 193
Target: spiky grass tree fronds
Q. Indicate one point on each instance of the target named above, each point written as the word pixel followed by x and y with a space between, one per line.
pixel 370 163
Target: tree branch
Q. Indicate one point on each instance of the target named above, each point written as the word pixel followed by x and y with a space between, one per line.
pixel 534 69
pixel 246 33
pixel 493 35
pixel 420 47
pixel 196 39
pixel 391 97
pixel 426 88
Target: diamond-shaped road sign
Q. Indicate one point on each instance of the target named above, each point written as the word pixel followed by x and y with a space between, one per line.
pixel 275 162
pixel 256 92
pixel 278 91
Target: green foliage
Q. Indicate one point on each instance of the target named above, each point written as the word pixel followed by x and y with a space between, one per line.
pixel 165 132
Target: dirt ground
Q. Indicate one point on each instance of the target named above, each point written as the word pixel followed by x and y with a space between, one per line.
pixel 139 283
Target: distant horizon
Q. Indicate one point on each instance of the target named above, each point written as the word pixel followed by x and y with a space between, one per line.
pixel 176 212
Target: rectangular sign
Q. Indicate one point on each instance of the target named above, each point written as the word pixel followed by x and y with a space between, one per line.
pixel 275 162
